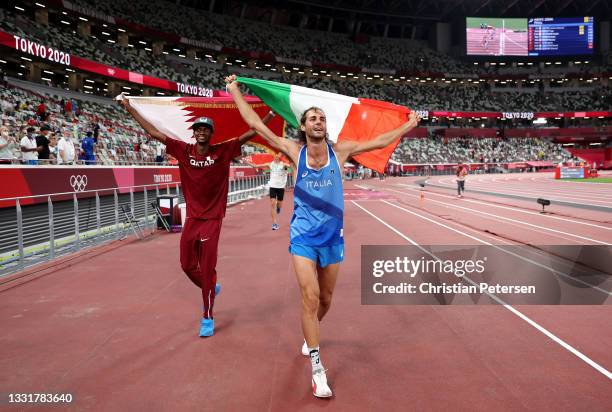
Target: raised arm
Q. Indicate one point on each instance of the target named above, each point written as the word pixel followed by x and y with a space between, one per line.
pixel 251 133
pixel 291 149
pixel 349 148
pixel 149 128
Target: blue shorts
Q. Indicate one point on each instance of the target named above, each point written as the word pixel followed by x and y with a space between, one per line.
pixel 321 255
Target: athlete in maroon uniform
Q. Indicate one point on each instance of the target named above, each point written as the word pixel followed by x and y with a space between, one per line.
pixel 204 170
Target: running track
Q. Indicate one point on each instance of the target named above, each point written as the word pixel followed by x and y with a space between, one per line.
pixel 117 326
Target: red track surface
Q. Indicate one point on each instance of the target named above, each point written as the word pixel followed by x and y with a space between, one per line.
pixel 119 330
pixel 512 43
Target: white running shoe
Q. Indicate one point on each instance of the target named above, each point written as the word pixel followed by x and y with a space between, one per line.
pixel 320 389
pixel 305 351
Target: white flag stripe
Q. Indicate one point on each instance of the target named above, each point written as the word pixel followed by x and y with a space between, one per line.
pixel 335 106
pixel 170 119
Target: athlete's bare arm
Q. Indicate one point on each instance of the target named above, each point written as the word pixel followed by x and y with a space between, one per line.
pixel 347 148
pixel 149 128
pixel 289 148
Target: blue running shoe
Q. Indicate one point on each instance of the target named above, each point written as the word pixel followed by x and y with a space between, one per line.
pixel 217 289
pixel 274 226
pixel 207 327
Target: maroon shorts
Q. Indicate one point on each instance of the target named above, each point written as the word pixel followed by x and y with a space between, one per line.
pixel 199 246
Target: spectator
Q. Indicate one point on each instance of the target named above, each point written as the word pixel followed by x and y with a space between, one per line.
pixel 41 112
pixel 65 148
pixel 7 146
pixel 88 149
pixel 42 143
pixel 29 148
pixel 159 153
pixel 53 148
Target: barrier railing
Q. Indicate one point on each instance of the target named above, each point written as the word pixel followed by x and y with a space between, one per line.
pixel 43 231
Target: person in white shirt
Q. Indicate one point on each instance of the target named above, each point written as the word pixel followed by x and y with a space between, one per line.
pixel 7 146
pixel 278 181
pixel 65 149
pixel 29 148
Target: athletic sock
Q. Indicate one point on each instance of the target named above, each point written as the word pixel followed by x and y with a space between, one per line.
pixel 315 360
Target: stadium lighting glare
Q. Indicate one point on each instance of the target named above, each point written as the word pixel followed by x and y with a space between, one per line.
pixel 595 144
pixel 105 33
pixel 273 69
pixel 315 74
pixel 25 58
pixel 403 77
pixel 64 13
pixel 182 55
pixel 475 63
pixel 111 41
pixel 349 74
pixel 126 88
pixel 88 87
pixel 22 66
pixel 177 50
pixel 3 61
pixel 48 72
pixel 520 64
pixel 530 64
pixel 343 76
pixel 45 79
pixel 166 53
pixel 147 49
pixel 89 81
pixel 83 18
pixel 142 42
pixel 228 63
pixel 19 8
pixel 540 120
pixel 502 64
pixel 20 74
pixel 69 70
pixel 130 45
pixel 121 30
pixel 557 62
pixel 328 75
pixel 323 71
pixel 267 64
pixel 65 22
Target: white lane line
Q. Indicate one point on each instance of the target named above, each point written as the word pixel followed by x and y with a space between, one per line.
pixel 515 221
pixel 511 208
pixel 526 259
pixel 516 312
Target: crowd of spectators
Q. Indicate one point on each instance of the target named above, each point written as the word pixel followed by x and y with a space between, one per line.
pixel 47 129
pixel 457 96
pixel 435 149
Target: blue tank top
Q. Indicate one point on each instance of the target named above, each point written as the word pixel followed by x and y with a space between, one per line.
pixel 318 207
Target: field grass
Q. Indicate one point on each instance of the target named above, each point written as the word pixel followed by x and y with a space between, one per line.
pixel 509 24
pixel 593 180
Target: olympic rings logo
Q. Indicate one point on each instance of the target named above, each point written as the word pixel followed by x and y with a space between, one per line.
pixel 78 182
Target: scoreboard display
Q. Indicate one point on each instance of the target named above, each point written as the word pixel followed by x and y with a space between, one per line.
pixel 560 36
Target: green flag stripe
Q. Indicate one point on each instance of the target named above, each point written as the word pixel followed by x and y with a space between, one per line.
pixel 275 95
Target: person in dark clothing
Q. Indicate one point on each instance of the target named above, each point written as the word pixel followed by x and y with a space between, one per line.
pixel 42 143
pixel 88 148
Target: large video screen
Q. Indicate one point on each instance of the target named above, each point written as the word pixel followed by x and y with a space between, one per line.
pixel 539 36
pixel 491 36
pixel 560 36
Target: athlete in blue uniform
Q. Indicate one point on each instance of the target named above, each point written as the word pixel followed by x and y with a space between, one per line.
pixel 317 243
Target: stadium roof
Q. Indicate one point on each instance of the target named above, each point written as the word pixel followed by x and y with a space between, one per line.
pixel 446 9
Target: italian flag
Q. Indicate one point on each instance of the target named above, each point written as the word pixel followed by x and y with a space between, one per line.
pixel 348 118
pixel 173 116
